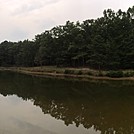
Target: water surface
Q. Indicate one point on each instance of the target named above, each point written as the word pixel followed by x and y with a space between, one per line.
pixel 31 105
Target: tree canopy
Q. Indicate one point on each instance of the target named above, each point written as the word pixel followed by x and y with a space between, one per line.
pixel 103 43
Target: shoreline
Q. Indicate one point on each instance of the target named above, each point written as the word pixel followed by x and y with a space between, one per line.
pixel 53 73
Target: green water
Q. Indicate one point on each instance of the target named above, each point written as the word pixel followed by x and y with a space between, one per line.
pixel 31 105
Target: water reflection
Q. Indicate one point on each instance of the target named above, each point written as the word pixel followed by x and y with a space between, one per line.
pixel 107 107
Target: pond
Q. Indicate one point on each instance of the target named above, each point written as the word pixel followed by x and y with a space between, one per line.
pixel 33 105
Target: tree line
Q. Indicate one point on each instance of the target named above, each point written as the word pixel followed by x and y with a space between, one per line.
pixel 103 43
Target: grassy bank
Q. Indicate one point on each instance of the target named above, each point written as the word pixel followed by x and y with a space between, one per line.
pixel 83 73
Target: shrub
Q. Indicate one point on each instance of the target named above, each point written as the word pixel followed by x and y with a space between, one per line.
pixel 89 73
pixel 128 74
pixel 67 71
pixel 79 72
pixel 115 74
pixel 131 73
pixel 100 74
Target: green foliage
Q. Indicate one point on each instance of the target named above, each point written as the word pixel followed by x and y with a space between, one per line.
pixel 89 73
pixel 100 74
pixel 68 71
pixel 129 74
pixel 115 74
pixel 79 72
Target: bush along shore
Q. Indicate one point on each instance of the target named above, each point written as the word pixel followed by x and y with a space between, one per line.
pixel 83 73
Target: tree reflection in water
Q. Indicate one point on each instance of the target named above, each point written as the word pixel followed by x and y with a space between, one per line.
pixel 107 106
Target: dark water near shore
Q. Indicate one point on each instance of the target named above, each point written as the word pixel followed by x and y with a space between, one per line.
pixel 31 105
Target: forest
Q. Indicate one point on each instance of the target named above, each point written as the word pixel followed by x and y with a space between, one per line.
pixel 105 43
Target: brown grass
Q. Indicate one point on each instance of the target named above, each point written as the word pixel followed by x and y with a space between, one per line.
pixel 80 73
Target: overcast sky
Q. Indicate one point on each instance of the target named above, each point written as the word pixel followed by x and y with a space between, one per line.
pixel 23 19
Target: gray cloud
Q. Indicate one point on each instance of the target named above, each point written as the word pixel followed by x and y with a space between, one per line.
pixel 33 5
pixel 19 34
pixel 24 18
